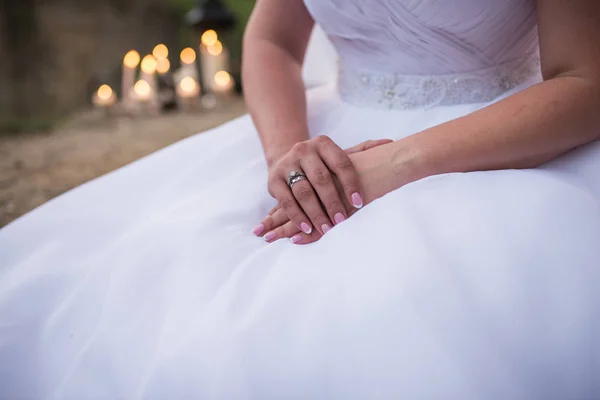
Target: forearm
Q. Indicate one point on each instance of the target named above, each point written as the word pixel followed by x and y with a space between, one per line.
pixel 522 131
pixel 275 96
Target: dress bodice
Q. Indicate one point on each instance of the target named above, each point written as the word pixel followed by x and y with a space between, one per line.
pixel 422 53
pixel 428 36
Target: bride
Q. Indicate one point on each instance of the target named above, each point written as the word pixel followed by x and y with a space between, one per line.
pixel 448 186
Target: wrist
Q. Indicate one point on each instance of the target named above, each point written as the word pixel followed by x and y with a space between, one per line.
pixel 274 153
pixel 409 163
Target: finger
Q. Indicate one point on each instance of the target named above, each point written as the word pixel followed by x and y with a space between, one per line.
pixel 339 163
pixel 290 206
pixel 322 182
pixel 266 224
pixel 299 238
pixel 275 220
pixel 302 238
pixel 369 144
pixel 286 230
pixel 309 201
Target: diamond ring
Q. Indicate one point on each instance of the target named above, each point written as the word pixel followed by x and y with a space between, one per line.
pixel 295 177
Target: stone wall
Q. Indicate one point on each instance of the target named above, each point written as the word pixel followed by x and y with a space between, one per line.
pixel 54 53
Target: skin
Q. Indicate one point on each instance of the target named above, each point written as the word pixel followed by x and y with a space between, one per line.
pixel 525 130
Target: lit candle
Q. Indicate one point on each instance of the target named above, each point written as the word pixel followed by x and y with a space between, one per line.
pixel 222 83
pixel 104 97
pixel 160 52
pixel 188 88
pixel 142 91
pixel 163 66
pixel 215 57
pixel 148 66
pixel 188 61
pixel 130 63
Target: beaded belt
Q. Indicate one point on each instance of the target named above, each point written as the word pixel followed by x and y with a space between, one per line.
pixel 404 92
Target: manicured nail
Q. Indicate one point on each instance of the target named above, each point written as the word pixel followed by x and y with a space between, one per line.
pixel 296 238
pixel 258 229
pixel 270 236
pixel 339 218
pixel 306 228
pixel 325 228
pixel 357 200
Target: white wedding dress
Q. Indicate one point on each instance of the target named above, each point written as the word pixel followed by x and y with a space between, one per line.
pixel 147 283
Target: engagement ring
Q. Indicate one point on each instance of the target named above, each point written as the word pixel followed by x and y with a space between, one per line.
pixel 294 177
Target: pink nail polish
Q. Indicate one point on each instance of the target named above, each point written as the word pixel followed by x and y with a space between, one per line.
pixel 296 238
pixel 339 218
pixel 306 228
pixel 258 229
pixel 357 200
pixel 269 236
pixel 325 228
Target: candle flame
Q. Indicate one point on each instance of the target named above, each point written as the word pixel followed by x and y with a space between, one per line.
pixel 105 92
pixel 160 52
pixel 216 49
pixel 163 66
pixel 188 55
pixel 131 59
pixel 188 84
pixel 142 89
pixel 149 64
pixel 222 78
pixel 209 38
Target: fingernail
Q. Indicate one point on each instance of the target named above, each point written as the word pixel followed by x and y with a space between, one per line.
pixel 306 228
pixel 269 236
pixel 258 229
pixel 296 238
pixel 339 218
pixel 325 228
pixel 357 200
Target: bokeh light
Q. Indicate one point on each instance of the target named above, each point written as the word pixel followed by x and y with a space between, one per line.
pixel 188 84
pixel 216 49
pixel 149 64
pixel 105 92
pixel 142 89
pixel 222 78
pixel 160 52
pixel 188 55
pixel 163 66
pixel 131 59
pixel 209 38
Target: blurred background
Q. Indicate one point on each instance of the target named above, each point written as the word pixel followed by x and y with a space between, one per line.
pixel 89 86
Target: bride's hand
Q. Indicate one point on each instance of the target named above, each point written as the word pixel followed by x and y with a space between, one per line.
pixel 316 201
pixel 277 225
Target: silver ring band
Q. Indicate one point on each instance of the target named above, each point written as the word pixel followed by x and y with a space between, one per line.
pixel 295 177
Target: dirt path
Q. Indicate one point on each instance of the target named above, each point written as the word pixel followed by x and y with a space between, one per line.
pixel 37 167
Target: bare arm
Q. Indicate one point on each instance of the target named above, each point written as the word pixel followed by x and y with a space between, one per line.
pixel 274 47
pixel 531 127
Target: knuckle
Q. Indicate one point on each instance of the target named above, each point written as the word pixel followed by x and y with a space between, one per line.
pixel 322 177
pixel 344 163
pixel 334 205
pixel 288 204
pixel 300 148
pixel 350 184
pixel 322 140
pixel 304 194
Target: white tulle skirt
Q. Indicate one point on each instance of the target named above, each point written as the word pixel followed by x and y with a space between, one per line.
pixel 147 283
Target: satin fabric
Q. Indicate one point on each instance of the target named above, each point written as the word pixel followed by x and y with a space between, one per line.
pixel 147 283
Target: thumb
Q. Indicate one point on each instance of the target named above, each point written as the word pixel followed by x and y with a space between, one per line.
pixel 369 144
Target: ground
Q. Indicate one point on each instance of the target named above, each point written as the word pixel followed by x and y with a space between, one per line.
pixel 37 167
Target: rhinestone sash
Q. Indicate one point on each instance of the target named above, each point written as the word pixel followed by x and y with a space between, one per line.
pixel 404 92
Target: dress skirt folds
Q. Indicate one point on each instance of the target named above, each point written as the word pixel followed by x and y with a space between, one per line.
pixel 147 284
